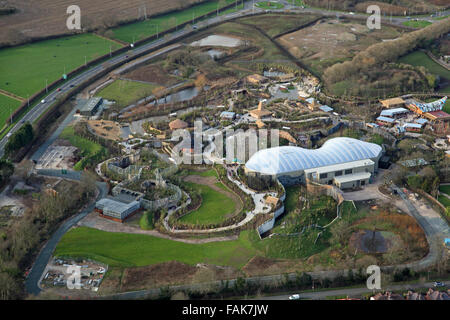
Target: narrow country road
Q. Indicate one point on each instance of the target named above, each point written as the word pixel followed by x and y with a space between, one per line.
pixel 37 270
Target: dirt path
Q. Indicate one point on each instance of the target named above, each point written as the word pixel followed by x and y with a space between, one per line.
pixel 211 182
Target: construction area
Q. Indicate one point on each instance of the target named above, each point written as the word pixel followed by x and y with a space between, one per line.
pixel 59 271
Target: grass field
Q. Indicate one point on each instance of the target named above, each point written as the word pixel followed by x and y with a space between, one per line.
pixel 447 106
pixel 419 58
pixel 7 106
pixel 214 208
pixel 24 69
pixel 444 200
pixel 445 189
pixel 124 250
pixel 417 24
pixel 147 28
pixel 269 5
pixel 86 147
pixel 125 92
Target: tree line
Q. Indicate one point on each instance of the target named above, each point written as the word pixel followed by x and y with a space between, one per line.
pixel 388 51
pixel 19 139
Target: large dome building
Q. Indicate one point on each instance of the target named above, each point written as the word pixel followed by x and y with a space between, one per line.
pixel 344 162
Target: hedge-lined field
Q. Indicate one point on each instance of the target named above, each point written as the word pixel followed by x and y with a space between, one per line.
pixel 147 28
pixel 24 69
pixel 7 106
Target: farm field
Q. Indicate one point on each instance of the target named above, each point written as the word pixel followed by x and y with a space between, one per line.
pixel 25 68
pixel 49 18
pixel 7 106
pixel 143 29
pixel 125 92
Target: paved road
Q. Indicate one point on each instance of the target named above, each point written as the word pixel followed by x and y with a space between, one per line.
pixel 350 292
pixel 32 281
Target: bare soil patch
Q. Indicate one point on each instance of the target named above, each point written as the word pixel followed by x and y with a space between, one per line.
pixel 106 129
pixel 166 273
pixel 153 73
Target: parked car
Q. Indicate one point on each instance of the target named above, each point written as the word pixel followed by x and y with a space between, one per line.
pixel 43 101
pixel 294 297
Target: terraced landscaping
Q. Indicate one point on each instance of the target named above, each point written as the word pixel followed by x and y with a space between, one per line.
pixel 217 203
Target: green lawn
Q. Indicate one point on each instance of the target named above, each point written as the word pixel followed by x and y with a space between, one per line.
pixel 87 148
pixel 125 250
pixel 419 58
pixel 208 173
pixel 269 5
pixel 214 208
pixel 417 24
pixel 140 30
pixel 445 189
pixel 7 106
pixel 125 92
pixel 24 69
pixel 447 106
pixel 444 200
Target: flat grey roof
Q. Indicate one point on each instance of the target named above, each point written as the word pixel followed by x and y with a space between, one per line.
pixel 342 166
pixel 353 177
pixel 91 104
pixel 115 206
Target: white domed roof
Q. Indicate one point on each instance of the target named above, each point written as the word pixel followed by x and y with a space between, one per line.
pixel 284 160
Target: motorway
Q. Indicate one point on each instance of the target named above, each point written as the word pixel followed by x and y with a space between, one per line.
pixel 249 9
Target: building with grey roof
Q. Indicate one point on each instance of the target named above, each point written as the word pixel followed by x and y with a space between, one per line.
pixel 91 107
pixel 116 210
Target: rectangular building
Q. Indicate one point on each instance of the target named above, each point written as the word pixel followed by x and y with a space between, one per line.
pixel 91 107
pixel 385 120
pixel 116 210
pixel 393 103
pixel 344 173
pixel 392 113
